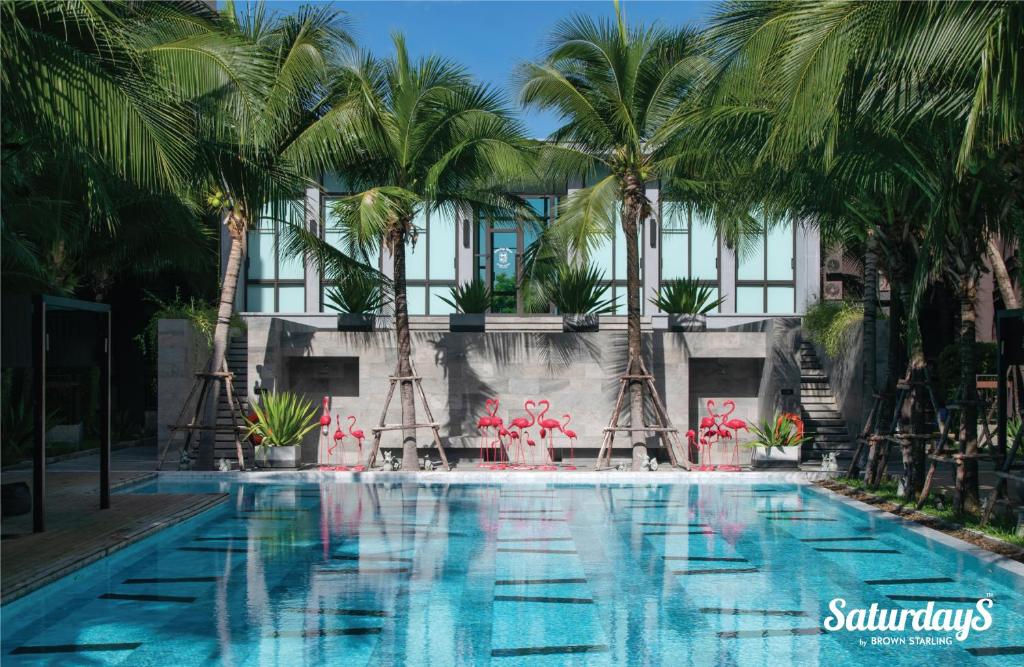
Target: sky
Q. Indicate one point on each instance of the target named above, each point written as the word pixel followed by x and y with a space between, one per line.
pixel 491 37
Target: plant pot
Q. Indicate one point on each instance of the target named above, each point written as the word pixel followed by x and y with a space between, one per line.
pixel 466 322
pixel 776 457
pixel 677 322
pixel 278 457
pixel 580 323
pixel 356 321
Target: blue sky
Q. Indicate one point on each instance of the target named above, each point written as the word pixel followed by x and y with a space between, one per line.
pixel 491 36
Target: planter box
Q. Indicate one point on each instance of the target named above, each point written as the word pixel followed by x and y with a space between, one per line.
pixel 776 457
pixel 466 322
pixel 278 457
pixel 580 323
pixel 356 321
pixel 680 322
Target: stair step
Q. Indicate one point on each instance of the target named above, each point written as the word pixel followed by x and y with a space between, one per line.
pixel 812 424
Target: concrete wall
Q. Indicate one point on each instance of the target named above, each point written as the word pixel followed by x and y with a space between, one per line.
pixel 181 353
pixel 529 358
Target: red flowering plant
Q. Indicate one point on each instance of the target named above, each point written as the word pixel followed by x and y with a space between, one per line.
pixel 785 430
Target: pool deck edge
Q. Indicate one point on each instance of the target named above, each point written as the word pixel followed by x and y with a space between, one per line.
pixel 119 541
pixel 981 553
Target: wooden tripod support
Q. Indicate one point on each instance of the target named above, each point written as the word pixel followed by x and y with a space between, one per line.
pixel 382 426
pixel 668 433
pixel 201 386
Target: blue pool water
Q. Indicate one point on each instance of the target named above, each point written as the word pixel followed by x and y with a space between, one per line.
pixel 406 574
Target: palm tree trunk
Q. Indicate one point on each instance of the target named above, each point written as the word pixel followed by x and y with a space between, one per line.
pixel 967 472
pixel 1002 276
pixel 913 450
pixel 410 459
pixel 869 381
pixel 237 226
pixel 633 205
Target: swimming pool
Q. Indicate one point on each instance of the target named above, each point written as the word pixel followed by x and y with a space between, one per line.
pixel 509 574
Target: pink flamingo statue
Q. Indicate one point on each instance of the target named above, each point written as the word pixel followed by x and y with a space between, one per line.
pixel 548 426
pixel 325 431
pixel 339 438
pixel 734 424
pixel 572 439
pixel 521 423
pixel 358 434
pixel 485 423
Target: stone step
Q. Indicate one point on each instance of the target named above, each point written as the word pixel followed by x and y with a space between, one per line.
pixel 813 423
pixel 826 430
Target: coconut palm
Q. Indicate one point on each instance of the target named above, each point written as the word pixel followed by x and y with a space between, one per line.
pixel 420 135
pixel 264 139
pixel 616 89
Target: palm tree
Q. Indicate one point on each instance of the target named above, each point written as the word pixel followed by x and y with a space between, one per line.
pixel 420 135
pixel 97 133
pixel 265 137
pixel 616 89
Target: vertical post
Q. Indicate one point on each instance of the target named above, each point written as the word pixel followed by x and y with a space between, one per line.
pixel 311 274
pixel 1002 368
pixel 39 416
pixel 650 241
pixel 105 415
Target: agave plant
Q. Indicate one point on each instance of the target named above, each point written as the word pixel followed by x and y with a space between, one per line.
pixel 356 293
pixel 280 419
pixel 579 290
pixel 473 297
pixel 686 296
pixel 785 430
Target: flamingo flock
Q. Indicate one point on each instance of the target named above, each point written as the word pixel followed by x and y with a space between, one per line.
pixel 714 428
pixel 336 442
pixel 495 455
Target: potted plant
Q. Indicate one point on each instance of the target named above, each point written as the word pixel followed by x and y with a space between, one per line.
pixel 357 297
pixel 579 294
pixel 279 422
pixel 685 303
pixel 472 300
pixel 777 441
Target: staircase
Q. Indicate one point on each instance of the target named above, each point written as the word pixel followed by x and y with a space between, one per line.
pixel 823 422
pixel 238 362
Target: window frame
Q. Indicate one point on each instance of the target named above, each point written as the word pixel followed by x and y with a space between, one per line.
pixel 764 283
pixel 716 283
pixel 276 282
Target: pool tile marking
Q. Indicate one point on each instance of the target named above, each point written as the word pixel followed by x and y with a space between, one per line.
pixel 323 632
pixel 172 580
pixel 548 650
pixel 222 550
pixel 763 634
pixel 75 648
pixel 541 598
pixel 837 539
pixel 710 559
pixel 508 550
pixel 735 570
pixel 857 551
pixel 148 598
pixel 752 612
pixel 321 611
pixel 996 650
pixel 530 582
pixel 919 580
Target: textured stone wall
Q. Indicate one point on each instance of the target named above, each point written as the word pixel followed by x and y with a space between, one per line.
pixel 181 353
pixel 578 373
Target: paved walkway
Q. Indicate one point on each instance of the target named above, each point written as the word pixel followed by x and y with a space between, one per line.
pixel 78 532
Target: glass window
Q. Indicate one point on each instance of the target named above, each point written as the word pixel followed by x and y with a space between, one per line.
pixel 275 280
pixel 437 305
pixel 416 298
pixel 750 300
pixel 765 277
pixel 689 245
pixel 442 245
pixel 291 299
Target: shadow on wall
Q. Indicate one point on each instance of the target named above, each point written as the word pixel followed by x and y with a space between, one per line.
pixel 734 378
pixel 456 355
pixel 780 382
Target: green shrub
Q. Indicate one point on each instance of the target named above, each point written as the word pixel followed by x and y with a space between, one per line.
pixel 356 293
pixel 201 314
pixel 832 323
pixel 578 290
pixel 686 296
pixel 948 366
pixel 474 297
pixel 784 430
pixel 281 419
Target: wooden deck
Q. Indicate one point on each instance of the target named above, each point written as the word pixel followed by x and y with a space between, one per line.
pixel 79 533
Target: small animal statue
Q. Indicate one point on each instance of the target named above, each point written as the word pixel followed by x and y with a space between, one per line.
pixel 391 462
pixel 651 464
pixel 223 465
pixel 829 463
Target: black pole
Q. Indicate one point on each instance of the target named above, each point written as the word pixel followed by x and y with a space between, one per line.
pixel 105 416
pixel 39 416
pixel 1002 367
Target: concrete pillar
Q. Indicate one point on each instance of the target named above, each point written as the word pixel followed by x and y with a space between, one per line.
pixel 808 266
pixel 726 276
pixel 650 241
pixel 314 225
